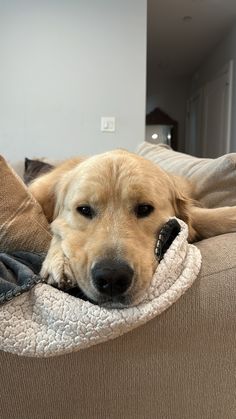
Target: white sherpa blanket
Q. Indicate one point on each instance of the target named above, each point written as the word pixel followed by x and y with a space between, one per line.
pixel 47 322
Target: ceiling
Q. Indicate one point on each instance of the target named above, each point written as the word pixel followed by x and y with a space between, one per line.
pixel 176 46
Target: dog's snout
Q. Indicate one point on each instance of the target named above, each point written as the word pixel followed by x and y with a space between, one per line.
pixel 112 278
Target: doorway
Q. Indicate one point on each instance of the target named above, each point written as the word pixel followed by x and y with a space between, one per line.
pixel 209 111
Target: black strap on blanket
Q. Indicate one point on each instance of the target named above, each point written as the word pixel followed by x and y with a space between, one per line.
pixel 166 236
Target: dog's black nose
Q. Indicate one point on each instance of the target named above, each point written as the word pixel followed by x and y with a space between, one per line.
pixel 112 278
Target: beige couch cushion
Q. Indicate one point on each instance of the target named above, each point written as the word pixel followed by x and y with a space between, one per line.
pixel 23 225
pixel 214 179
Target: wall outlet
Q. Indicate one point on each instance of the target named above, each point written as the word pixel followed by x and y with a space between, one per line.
pixel 108 124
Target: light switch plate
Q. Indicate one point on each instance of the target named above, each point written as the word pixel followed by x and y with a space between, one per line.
pixel 108 124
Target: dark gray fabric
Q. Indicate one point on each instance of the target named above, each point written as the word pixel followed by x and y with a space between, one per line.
pixel 19 272
pixel 35 168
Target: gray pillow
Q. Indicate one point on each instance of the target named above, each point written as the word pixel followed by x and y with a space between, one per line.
pixel 214 179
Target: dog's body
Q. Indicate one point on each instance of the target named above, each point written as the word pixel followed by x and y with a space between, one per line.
pixel 106 212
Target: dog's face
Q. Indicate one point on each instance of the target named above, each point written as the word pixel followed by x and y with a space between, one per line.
pixel 110 209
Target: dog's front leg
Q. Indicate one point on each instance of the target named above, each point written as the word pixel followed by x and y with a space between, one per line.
pixel 56 269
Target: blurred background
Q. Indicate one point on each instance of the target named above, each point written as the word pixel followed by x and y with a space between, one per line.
pixel 191 51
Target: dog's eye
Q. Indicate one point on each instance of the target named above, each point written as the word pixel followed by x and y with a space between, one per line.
pixel 143 210
pixel 86 211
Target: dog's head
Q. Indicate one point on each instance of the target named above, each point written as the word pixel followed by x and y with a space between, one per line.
pixel 108 212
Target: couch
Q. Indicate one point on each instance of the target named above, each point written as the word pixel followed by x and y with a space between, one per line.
pixel 181 365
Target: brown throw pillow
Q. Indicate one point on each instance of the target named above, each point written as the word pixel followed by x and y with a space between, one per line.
pixel 23 225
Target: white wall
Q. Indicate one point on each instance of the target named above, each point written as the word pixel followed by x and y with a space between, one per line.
pixel 220 56
pixel 64 64
pixel 170 94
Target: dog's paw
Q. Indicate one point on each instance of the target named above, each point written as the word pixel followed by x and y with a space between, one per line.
pixel 56 271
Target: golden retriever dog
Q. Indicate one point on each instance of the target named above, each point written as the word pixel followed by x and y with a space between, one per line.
pixel 106 212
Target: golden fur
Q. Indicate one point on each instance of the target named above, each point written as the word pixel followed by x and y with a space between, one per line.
pixel 113 184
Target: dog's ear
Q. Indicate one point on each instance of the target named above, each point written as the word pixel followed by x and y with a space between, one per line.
pixel 183 204
pixel 46 188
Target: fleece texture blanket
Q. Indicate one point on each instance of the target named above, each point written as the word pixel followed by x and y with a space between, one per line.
pixel 46 322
